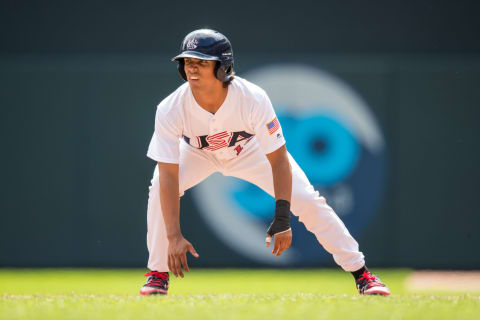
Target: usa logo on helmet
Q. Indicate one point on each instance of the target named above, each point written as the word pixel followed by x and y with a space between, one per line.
pixel 192 44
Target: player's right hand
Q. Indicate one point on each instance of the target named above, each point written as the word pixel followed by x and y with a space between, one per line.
pixel 177 255
pixel 281 241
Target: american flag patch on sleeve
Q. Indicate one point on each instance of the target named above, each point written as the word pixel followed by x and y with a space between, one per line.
pixel 273 126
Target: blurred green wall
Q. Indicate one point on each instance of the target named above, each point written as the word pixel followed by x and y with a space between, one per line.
pixel 79 84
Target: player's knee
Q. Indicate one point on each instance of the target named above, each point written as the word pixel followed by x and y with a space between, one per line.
pixel 307 205
pixel 304 199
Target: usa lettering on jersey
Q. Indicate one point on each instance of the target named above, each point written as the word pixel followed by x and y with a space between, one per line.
pixel 219 140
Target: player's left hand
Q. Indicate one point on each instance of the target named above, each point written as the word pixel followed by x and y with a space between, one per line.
pixel 281 241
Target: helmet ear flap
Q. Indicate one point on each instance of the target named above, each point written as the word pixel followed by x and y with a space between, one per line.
pixel 181 69
pixel 221 72
pixel 229 73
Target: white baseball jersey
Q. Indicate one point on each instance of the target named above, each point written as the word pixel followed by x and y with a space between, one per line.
pixel 234 141
pixel 246 117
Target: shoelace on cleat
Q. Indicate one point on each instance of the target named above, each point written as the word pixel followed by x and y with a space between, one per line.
pixel 367 276
pixel 370 279
pixel 156 278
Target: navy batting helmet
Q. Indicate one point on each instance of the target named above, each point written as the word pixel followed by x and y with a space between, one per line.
pixel 207 44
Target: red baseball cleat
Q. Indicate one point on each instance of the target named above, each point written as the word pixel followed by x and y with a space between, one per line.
pixel 157 283
pixel 369 284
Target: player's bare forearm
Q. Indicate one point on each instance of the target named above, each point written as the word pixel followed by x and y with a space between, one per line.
pixel 170 202
pixel 170 198
pixel 282 174
pixel 282 183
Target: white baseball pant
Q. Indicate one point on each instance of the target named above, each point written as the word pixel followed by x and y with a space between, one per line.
pixel 253 166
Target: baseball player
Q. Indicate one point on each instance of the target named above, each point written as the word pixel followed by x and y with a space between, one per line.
pixel 219 122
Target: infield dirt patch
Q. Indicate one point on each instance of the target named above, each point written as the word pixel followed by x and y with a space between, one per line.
pixel 444 280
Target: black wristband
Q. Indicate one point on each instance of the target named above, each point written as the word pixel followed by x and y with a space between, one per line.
pixel 281 222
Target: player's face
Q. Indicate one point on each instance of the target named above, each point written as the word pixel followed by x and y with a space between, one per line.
pixel 199 72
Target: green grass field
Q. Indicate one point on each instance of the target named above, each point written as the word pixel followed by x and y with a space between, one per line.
pixel 221 294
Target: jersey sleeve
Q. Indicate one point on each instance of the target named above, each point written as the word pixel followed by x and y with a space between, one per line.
pixel 267 126
pixel 165 143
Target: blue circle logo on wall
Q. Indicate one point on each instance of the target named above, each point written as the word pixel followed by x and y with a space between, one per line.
pixel 335 139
